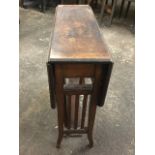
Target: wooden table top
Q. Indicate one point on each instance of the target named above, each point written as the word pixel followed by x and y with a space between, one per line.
pixel 76 36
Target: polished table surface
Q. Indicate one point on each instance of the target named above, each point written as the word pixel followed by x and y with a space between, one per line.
pixel 76 36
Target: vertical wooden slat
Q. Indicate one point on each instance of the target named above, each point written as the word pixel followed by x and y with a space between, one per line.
pixel 76 111
pixel 84 111
pixel 69 111
pixel 81 80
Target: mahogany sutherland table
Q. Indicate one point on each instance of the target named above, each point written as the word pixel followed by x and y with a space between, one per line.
pixel 79 68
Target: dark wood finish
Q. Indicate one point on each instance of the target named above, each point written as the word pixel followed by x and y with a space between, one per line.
pixel 76 36
pixel 77 50
pixel 106 74
pixel 83 92
pixel 51 81
pixel 60 101
pixel 71 2
pixel 81 81
pixel 92 106
pixel 78 70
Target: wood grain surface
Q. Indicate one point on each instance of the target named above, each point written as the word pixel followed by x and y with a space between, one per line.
pixel 76 36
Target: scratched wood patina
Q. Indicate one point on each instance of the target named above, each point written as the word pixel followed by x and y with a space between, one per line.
pixel 76 36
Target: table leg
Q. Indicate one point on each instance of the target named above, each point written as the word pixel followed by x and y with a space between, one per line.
pixel 60 101
pixel 92 105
